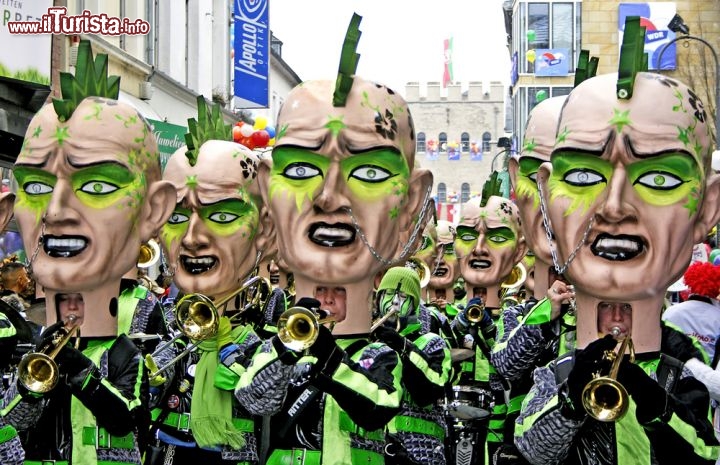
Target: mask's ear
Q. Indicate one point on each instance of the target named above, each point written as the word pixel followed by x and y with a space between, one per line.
pixel 420 181
pixel 709 214
pixel 157 208
pixel 266 239
pixel 513 167
pixel 7 200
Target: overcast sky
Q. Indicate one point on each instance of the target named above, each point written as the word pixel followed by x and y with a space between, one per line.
pixel 401 40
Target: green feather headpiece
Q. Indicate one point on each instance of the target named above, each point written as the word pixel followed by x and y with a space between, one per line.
pixel 209 125
pixel 349 59
pixel 90 80
pixel 633 58
pixel 493 186
pixel 586 67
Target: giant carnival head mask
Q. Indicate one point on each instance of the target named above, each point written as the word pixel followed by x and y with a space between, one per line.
pixel 90 192
pixel 537 146
pixel 342 181
pixel 445 269
pixel 629 188
pixel 488 239
pixel 214 237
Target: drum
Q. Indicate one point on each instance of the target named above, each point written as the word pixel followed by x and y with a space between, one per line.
pixel 469 403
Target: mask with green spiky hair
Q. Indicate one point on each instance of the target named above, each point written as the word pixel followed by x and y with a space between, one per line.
pixel 90 79
pixel 209 125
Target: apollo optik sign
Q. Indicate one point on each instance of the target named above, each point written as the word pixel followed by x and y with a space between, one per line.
pixel 251 53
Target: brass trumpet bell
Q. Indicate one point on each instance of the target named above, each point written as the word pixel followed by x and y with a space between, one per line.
pixel 298 328
pixel 38 371
pixel 475 313
pixel 421 269
pixel 604 398
pixel 149 254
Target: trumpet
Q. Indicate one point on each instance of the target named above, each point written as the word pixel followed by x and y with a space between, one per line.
pixel 38 371
pixel 604 398
pixel 475 313
pixel 197 318
pixel 298 327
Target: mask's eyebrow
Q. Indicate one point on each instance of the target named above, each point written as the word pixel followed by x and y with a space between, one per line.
pixel 595 152
pixel 637 154
pixel 80 165
pixel 386 148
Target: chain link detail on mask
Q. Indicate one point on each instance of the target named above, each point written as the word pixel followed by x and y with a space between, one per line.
pixel 549 233
pixel 413 236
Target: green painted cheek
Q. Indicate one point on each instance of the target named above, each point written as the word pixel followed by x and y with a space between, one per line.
pixel 302 191
pixel 512 243
pixel 526 187
pixel 581 197
pixel 464 248
pixel 34 204
pixel 684 192
pixel 172 234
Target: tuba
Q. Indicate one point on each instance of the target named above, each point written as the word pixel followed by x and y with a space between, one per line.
pixel 421 269
pixel 149 254
pixel 604 398
pixel 38 371
pixel 298 327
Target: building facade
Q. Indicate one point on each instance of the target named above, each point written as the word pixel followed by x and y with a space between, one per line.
pixel 563 28
pixel 457 130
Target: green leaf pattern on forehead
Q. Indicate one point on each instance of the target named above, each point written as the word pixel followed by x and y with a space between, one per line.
pixel 90 79
pixel 529 145
pixel 562 135
pixel 61 133
pixel 209 125
pixel 620 119
pixel 191 181
pixel 394 212
pixel 335 124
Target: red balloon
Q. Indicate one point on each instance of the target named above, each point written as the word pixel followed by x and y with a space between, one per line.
pixel 237 135
pixel 247 142
pixel 260 138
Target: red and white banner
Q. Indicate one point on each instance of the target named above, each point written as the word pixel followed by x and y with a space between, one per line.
pixel 448 72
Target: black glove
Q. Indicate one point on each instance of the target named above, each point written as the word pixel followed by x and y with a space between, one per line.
pixel 326 350
pixel 652 401
pixel 588 362
pixel 473 305
pixel 393 339
pixel 49 334
pixel 73 362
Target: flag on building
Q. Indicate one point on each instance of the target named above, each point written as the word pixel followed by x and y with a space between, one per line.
pixel 448 73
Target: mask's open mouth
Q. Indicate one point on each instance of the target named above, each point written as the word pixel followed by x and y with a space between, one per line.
pixel 480 264
pixel 617 248
pixel 197 265
pixel 64 246
pixel 332 235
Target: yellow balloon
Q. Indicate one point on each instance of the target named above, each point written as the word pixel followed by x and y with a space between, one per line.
pixel 271 142
pixel 260 123
pixel 530 56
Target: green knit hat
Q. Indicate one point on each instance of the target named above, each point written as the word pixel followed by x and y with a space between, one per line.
pixel 407 278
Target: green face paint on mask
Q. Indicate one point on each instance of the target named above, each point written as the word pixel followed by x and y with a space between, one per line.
pixel 99 186
pixel 527 179
pixel 222 219
pixel 579 177
pixel 666 180
pixel 500 237
pixel 448 252
pixel 465 240
pixel 370 176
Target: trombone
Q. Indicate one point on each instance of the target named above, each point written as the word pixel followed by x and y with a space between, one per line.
pixel 149 254
pixel 604 398
pixel 421 268
pixel 38 371
pixel 299 327
pixel 197 318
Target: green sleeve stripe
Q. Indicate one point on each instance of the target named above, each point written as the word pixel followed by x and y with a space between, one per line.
pixel 438 378
pixel 540 313
pixel 7 332
pixel 357 382
pixel 689 433
pixel 528 421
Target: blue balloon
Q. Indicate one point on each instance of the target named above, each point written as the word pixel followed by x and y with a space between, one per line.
pixel 270 130
pixel 716 262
